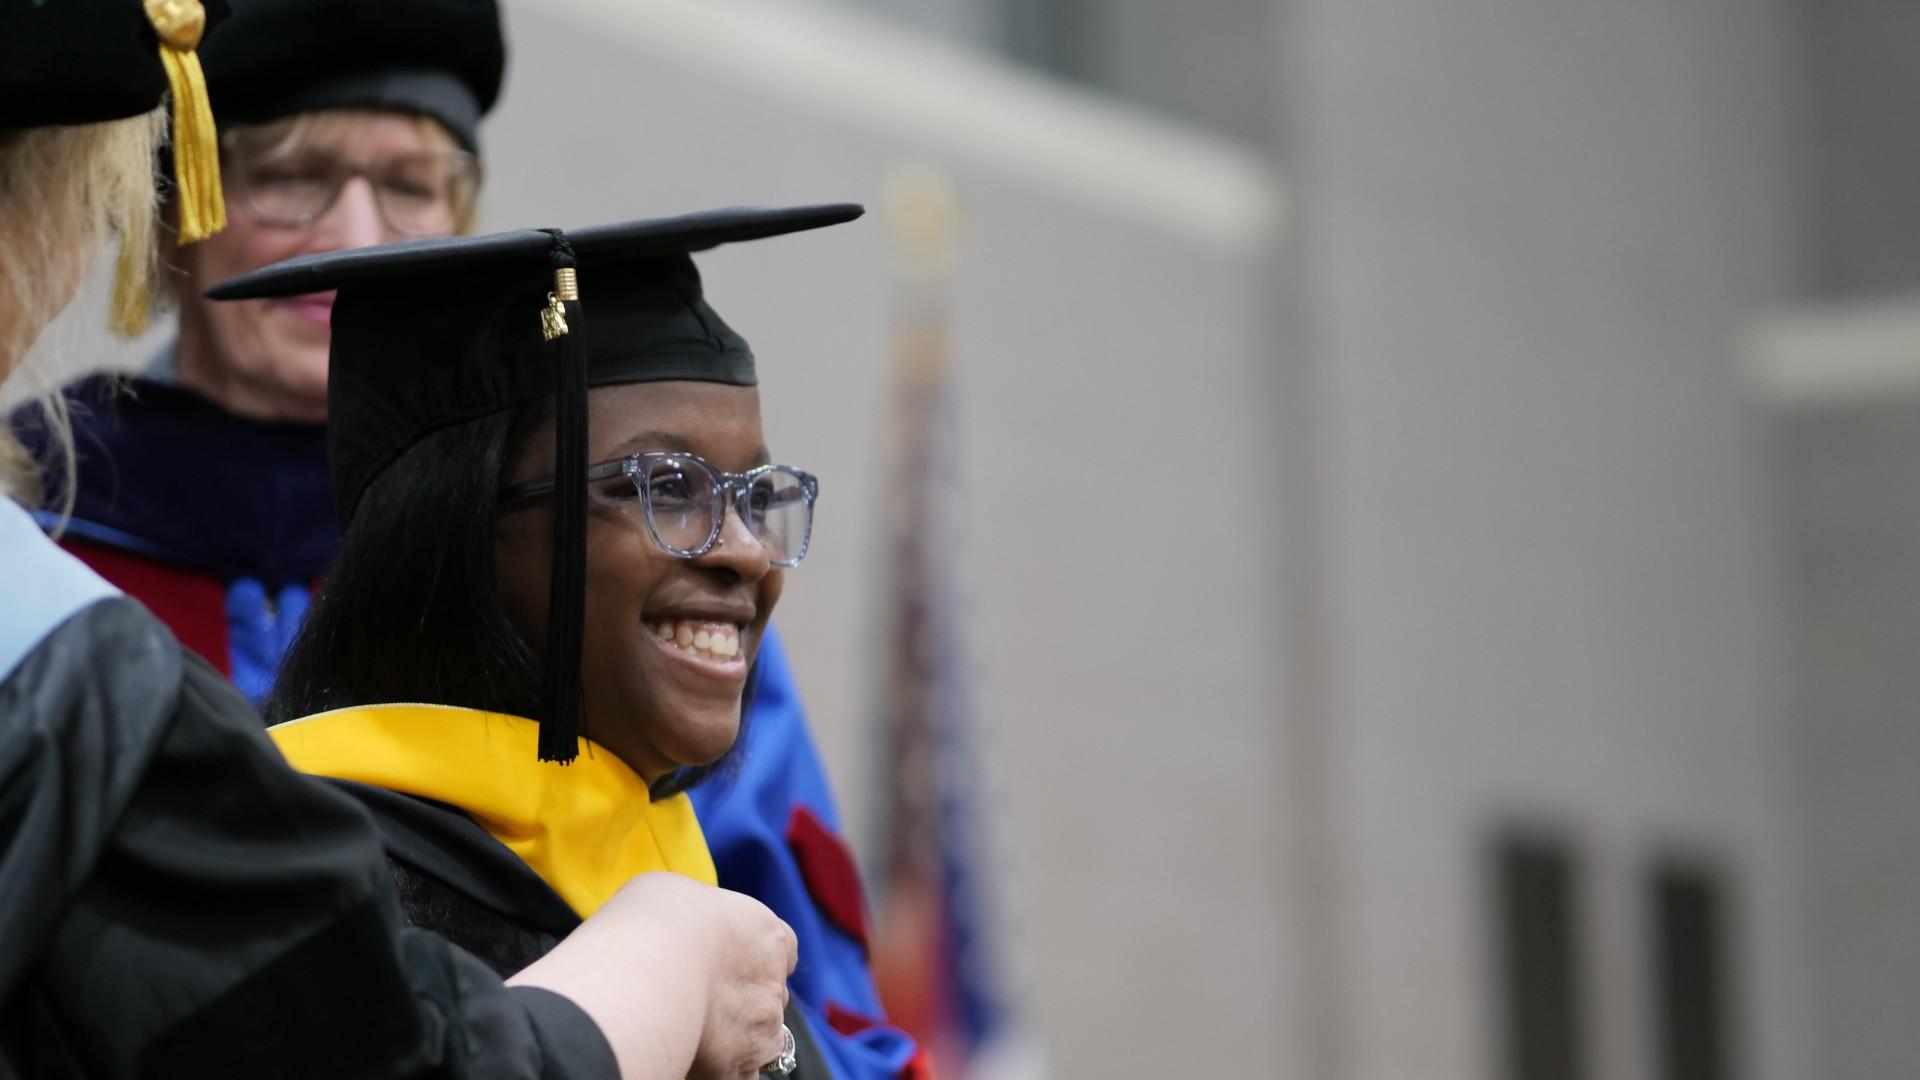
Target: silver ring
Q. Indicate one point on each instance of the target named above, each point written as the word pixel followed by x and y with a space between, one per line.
pixel 787 1061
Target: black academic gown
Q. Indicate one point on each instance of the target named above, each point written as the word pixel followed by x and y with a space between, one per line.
pixel 176 902
pixel 456 880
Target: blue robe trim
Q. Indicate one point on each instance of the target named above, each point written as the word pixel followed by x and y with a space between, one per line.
pixel 260 630
pixel 42 588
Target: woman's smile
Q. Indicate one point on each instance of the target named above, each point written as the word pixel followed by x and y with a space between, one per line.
pixel 714 648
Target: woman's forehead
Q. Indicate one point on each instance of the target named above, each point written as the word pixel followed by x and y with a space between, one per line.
pixel 711 419
pixel 343 129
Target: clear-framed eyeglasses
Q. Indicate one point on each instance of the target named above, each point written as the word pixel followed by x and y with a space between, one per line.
pixel 417 194
pixel 684 499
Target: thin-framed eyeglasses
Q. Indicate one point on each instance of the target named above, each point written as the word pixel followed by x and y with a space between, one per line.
pixel 417 194
pixel 684 499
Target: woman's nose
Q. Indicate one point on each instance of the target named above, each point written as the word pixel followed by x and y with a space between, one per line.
pixel 353 221
pixel 738 549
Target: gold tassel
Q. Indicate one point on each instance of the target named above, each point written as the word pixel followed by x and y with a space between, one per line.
pixel 130 300
pixel 196 157
pixel 196 143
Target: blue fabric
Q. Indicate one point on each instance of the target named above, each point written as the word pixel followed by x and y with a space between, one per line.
pixel 260 630
pixel 41 587
pixel 745 817
pixel 99 534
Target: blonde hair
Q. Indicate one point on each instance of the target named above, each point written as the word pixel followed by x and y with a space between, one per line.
pixel 63 191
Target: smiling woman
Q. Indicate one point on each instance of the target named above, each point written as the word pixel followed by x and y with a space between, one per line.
pixel 556 526
pixel 661 701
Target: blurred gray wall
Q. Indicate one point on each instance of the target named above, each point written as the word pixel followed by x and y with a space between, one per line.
pixel 1843 376
pixel 1843 381
pixel 1847 474
pixel 1863 153
pixel 1549 588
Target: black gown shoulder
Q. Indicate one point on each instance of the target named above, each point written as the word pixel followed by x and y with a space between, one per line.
pixel 181 903
pixel 457 881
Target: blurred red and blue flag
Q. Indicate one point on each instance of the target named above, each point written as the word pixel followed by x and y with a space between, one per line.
pixel 939 955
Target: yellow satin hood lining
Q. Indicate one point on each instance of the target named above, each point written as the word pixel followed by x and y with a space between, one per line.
pixel 586 828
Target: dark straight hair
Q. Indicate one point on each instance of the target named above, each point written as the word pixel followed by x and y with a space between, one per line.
pixel 410 610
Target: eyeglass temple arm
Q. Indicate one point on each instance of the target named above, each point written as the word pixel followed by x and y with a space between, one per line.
pixel 533 489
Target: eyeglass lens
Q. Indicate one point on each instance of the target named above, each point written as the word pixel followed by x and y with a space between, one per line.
pixel 682 505
pixel 416 193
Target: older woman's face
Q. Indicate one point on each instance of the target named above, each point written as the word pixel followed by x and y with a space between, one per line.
pixel 653 701
pixel 268 358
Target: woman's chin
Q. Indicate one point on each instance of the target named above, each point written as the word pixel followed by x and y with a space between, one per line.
pixel 697 736
pixel 703 740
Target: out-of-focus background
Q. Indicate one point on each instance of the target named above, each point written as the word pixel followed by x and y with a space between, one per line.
pixel 1427 502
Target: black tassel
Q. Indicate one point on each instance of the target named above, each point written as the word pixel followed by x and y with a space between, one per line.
pixel 561 726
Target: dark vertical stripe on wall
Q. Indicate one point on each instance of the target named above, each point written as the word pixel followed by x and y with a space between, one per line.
pixel 1537 884
pixel 1689 963
pixel 1065 37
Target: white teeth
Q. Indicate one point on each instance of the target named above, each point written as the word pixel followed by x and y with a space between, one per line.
pixel 718 641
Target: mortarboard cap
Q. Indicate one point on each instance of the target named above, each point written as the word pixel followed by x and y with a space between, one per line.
pixel 434 332
pixel 89 61
pixel 68 62
pixel 438 58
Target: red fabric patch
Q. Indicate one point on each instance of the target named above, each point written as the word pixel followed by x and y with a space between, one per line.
pixel 846 1021
pixel 829 871
pixel 919 1067
pixel 193 606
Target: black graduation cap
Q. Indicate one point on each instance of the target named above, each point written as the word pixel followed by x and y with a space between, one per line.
pixel 439 58
pixel 437 331
pixel 89 61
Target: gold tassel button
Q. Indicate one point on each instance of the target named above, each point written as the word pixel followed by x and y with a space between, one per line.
pixel 196 145
pixel 553 319
pixel 178 22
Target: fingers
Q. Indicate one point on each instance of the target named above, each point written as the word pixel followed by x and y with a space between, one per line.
pixel 723 959
pixel 782 947
pixel 752 1041
pixel 770 1037
pixel 764 1026
pixel 789 950
pixel 783 1060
